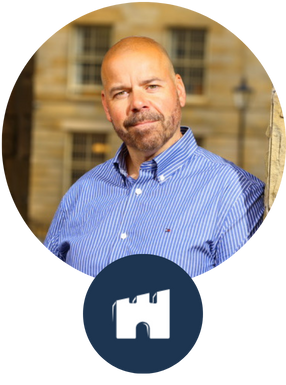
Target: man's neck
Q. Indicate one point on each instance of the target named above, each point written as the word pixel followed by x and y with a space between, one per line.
pixel 134 161
pixel 135 158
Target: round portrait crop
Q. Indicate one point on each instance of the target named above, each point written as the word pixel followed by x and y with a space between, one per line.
pixel 148 143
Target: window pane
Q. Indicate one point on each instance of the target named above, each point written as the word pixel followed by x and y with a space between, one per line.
pixel 96 73
pixel 197 35
pixel 79 139
pixel 98 148
pixel 98 138
pixel 86 40
pixel 102 39
pixel 86 75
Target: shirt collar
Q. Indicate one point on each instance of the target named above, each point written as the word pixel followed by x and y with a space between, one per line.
pixel 165 163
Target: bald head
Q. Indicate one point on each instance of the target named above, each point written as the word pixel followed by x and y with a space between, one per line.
pixel 135 44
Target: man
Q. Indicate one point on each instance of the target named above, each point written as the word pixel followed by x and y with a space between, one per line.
pixel 161 194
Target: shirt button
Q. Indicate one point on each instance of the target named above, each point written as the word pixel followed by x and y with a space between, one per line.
pixel 161 177
pixel 123 236
pixel 138 191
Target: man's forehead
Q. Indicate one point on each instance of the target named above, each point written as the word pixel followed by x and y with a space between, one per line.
pixel 127 78
pixel 142 53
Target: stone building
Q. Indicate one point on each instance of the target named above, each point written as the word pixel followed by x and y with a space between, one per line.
pixel 70 133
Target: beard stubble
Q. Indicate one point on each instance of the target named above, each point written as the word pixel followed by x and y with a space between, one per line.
pixel 153 137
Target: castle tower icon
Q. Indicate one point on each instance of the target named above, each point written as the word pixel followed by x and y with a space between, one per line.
pixel 155 315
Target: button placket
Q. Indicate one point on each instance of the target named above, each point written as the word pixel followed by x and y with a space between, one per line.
pixel 137 192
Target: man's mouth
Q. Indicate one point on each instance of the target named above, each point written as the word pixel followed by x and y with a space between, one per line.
pixel 137 120
pixel 144 122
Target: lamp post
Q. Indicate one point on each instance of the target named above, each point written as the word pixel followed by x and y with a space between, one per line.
pixel 241 95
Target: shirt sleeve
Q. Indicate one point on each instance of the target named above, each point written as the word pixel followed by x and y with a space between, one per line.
pixel 243 219
pixel 52 238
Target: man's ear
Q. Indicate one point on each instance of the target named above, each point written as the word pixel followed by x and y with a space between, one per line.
pixel 181 90
pixel 103 100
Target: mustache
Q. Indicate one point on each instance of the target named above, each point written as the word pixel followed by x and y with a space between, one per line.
pixel 142 117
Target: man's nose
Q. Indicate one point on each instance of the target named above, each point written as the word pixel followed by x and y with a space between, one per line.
pixel 138 100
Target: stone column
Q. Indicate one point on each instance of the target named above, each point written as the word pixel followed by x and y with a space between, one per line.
pixel 276 152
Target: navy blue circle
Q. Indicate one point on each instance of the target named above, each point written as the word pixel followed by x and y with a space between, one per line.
pixel 129 277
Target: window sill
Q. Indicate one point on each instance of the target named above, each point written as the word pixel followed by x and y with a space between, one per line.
pixel 84 93
pixel 196 100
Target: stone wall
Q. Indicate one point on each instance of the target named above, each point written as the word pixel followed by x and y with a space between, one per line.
pixel 276 152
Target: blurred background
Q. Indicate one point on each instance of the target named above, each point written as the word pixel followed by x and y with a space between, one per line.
pixel 55 127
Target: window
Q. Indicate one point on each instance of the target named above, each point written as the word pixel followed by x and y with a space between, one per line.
pixel 88 150
pixel 92 42
pixel 188 54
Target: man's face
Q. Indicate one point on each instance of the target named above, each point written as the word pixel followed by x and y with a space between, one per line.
pixel 143 99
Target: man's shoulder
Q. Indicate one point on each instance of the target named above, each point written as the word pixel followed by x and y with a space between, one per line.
pixel 230 171
pixel 101 172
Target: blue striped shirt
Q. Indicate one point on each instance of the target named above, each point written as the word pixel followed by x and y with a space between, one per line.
pixel 187 205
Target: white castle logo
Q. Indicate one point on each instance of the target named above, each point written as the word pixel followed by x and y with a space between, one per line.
pixel 155 316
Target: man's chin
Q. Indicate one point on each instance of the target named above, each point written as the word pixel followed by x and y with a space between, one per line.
pixel 147 143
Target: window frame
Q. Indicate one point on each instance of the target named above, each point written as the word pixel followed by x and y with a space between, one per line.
pixel 197 99
pixel 73 87
pixel 70 130
pixel 68 158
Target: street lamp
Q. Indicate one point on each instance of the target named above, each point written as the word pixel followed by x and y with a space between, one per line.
pixel 241 96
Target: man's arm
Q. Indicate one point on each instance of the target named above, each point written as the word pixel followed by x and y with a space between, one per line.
pixel 52 238
pixel 241 222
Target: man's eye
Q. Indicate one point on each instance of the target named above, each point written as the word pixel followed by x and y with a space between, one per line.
pixel 153 86
pixel 119 93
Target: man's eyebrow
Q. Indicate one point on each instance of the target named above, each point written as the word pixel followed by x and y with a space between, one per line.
pixel 151 81
pixel 121 87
